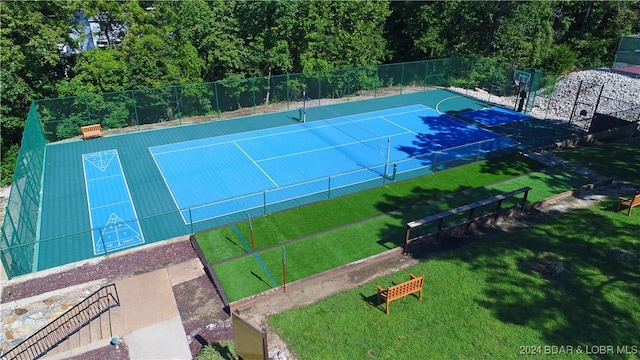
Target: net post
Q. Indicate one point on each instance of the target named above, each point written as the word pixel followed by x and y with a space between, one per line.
pixel 304 106
pixel 386 163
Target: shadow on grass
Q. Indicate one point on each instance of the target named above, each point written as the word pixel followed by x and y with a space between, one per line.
pixel 573 281
pixel 224 352
pixel 620 159
pixel 261 279
pixel 371 300
pixel 236 244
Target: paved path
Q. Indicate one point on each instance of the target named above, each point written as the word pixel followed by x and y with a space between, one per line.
pixel 147 321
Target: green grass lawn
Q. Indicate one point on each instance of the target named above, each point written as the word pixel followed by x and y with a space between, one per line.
pixel 222 243
pixel 571 281
pixel 620 160
pixel 332 233
pixel 246 276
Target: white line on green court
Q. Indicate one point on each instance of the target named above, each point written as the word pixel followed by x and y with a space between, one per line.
pixel 445 99
pixel 255 163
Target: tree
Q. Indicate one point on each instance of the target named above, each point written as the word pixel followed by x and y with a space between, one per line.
pixel 270 35
pixel 213 31
pixel 31 35
pixel 595 28
pixel 343 34
pixel 96 71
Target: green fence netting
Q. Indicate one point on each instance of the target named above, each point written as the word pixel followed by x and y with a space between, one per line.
pixel 628 53
pixel 142 108
pixel 20 225
pixel 51 120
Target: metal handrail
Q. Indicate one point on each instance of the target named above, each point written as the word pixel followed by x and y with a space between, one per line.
pixel 67 324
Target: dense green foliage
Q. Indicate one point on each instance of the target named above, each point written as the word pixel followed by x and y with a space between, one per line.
pixel 159 43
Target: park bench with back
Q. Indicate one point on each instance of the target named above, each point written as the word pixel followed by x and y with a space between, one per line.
pixel 401 290
pixel 91 131
pixel 629 202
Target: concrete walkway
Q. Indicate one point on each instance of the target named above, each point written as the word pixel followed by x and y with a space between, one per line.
pixel 148 321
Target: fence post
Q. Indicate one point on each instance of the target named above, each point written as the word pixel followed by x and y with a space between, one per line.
pixel 575 102
pixel 597 103
pixel 86 104
pixel 253 94
pixel 215 85
pixel 135 108
pixel 287 91
pixel 401 77
pixel 175 91
pixel 264 202
pixel 375 87
pixel 433 167
pixel 406 239
pixel 348 84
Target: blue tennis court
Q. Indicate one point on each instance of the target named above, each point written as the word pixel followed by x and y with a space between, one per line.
pixel 111 212
pixel 494 116
pixel 216 176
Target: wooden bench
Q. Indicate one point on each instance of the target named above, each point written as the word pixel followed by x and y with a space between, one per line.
pixel 91 131
pixel 629 202
pixel 401 290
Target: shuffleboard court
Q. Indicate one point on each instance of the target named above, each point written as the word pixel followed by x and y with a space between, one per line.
pixel 494 116
pixel 112 215
pixel 221 175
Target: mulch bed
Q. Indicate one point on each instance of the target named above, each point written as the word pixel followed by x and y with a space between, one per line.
pixel 111 267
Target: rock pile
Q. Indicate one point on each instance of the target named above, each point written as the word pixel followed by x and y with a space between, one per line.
pixel 620 96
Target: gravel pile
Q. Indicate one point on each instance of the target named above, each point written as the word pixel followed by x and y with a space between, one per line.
pixel 620 96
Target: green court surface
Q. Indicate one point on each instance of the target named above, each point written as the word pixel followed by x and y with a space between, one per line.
pixel 65 230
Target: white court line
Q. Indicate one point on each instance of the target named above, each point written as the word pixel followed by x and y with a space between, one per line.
pixel 105 177
pixel 164 178
pixel 256 164
pixel 443 100
pixel 121 174
pixel 328 147
pixel 408 131
pixel 112 204
pixel 284 132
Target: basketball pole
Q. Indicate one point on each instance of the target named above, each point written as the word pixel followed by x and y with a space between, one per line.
pixel 284 270
pixel 253 247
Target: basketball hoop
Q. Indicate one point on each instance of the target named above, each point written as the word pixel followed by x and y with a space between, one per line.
pixel 517 82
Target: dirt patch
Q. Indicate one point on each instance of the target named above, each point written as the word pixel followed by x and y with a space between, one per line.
pixel 110 268
pixel 111 352
pixel 202 313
